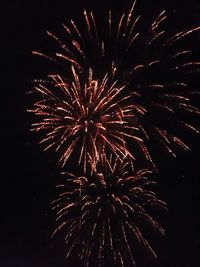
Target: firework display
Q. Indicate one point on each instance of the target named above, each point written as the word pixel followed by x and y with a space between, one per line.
pixel 103 215
pixel 144 68
pixel 119 91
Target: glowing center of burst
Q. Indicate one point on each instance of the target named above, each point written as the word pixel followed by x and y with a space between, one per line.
pixel 88 124
pixel 107 190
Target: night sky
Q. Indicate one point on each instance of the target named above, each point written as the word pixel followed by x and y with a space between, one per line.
pixel 29 176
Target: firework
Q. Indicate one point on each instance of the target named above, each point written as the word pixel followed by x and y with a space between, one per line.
pixel 153 69
pixel 104 214
pixel 86 119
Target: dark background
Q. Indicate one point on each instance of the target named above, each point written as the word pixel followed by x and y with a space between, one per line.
pixel 28 175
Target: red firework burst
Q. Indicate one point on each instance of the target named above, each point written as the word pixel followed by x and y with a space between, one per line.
pixel 87 120
pixel 104 214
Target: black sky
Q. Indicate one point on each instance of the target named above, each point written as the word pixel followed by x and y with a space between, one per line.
pixel 28 175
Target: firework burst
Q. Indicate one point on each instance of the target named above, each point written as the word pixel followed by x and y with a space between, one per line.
pixel 105 214
pixel 154 69
pixel 87 120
